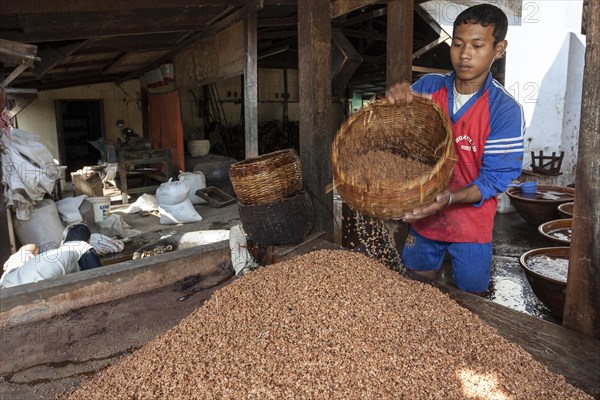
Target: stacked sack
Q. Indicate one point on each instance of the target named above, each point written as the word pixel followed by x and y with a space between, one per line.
pixel 273 208
pixel 197 181
pixel 174 204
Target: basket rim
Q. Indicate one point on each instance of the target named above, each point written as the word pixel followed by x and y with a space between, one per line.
pixel 446 156
pixel 264 157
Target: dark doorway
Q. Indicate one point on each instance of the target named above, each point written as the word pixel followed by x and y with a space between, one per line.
pixel 78 121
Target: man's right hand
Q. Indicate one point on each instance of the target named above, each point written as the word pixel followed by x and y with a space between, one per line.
pixel 400 94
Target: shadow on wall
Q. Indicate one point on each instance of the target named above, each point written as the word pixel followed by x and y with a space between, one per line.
pixel 554 125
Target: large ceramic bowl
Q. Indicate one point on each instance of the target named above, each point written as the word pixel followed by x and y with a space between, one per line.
pixel 558 231
pixel 549 290
pixel 566 209
pixel 198 148
pixel 540 207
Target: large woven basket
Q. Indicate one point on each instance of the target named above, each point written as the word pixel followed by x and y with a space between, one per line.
pixel 282 223
pixel 375 150
pixel 268 178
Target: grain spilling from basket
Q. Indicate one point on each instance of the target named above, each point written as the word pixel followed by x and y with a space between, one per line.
pixel 332 325
pixel 387 160
pixel 374 239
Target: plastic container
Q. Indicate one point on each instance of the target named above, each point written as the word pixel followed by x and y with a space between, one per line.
pixel 101 206
pixel 44 227
pixel 504 206
pixel 526 187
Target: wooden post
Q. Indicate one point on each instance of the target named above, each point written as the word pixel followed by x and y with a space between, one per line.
pixel 399 41
pixel 316 130
pixel 5 236
pixel 251 87
pixel 582 302
pixel 284 118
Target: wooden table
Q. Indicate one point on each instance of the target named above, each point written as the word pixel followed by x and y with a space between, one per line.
pixel 141 157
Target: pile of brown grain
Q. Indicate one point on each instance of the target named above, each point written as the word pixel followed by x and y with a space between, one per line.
pixel 329 325
pixel 378 166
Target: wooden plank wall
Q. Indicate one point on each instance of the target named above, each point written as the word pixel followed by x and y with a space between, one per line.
pixel 582 304
pixel 316 130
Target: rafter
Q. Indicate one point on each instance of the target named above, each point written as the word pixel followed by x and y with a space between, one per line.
pixel 237 16
pixel 52 56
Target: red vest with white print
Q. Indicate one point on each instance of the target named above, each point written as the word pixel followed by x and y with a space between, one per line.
pixel 471 127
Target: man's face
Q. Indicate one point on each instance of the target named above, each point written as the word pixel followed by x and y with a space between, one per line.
pixel 472 54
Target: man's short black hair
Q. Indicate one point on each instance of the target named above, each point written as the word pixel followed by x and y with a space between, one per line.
pixel 77 232
pixel 484 15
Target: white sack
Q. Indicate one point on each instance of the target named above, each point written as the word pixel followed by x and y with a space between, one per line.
pixel 197 181
pixel 241 259
pixel 106 245
pixel 28 170
pixel 68 208
pixel 172 192
pixel 115 225
pixel 145 202
pixel 181 213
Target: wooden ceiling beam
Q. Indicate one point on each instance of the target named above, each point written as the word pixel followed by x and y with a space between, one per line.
pixel 52 56
pixel 71 7
pixel 382 37
pixel 251 6
pixel 114 62
pixel 71 35
pixel 150 42
pixel 341 7
pixel 277 34
pixel 68 80
pixel 277 22
pixel 60 27
pixel 367 16
pixel 13 53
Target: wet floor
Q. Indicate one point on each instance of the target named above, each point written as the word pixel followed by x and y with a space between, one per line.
pixel 508 287
pixel 512 237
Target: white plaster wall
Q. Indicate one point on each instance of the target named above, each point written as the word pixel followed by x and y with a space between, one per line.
pixel 40 118
pixel 572 114
pixel 544 69
pixel 544 72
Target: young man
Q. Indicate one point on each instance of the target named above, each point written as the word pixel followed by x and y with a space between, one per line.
pixel 74 254
pixel 488 127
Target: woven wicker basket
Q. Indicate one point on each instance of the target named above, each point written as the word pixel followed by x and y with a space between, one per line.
pixel 419 132
pixel 282 223
pixel 268 178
